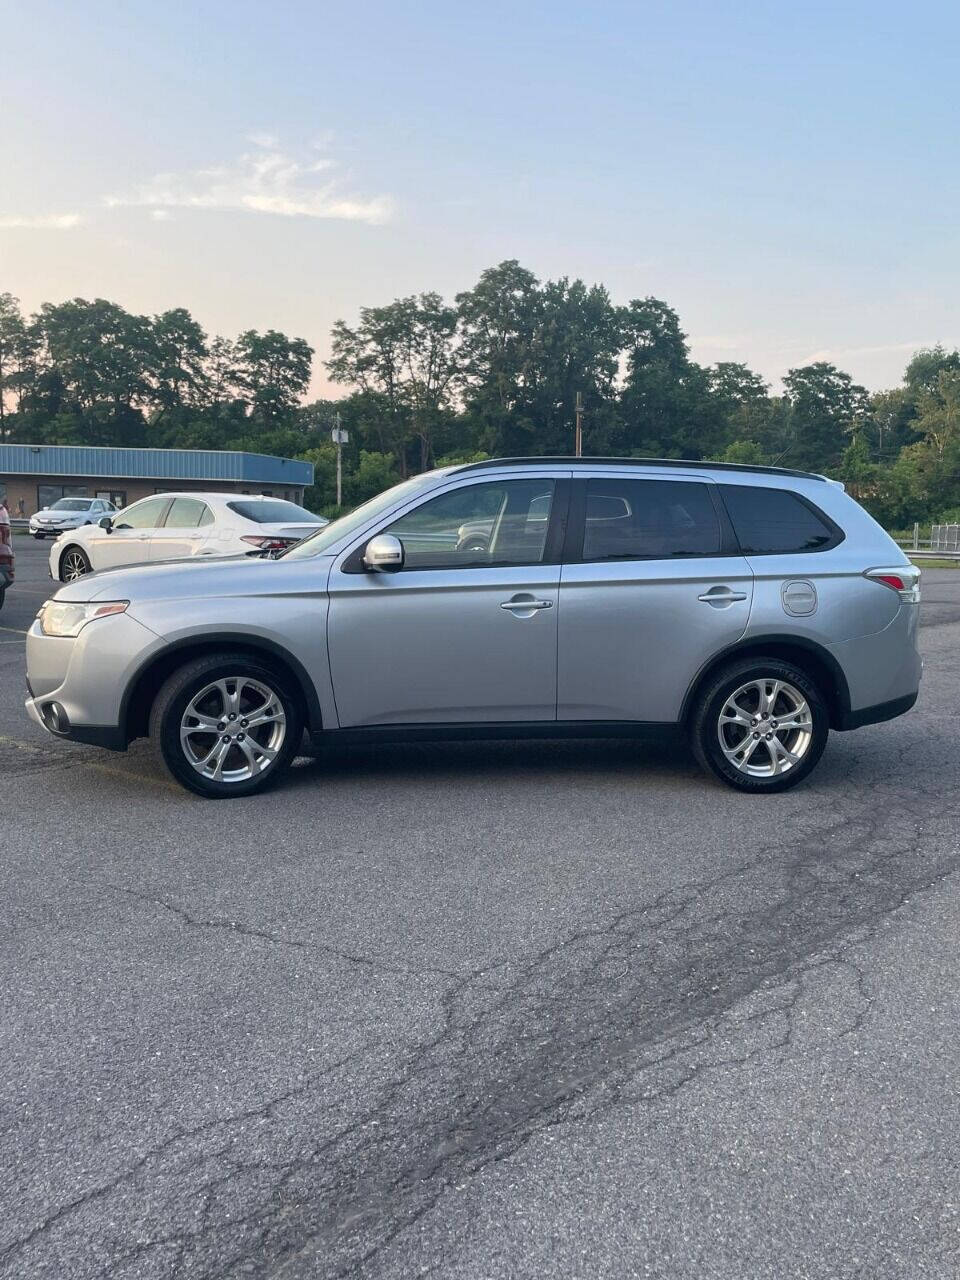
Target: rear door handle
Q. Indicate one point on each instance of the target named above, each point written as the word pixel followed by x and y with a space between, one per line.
pixel 719 597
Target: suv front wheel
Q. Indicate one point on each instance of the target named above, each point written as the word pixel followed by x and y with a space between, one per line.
pixel 226 725
pixel 760 724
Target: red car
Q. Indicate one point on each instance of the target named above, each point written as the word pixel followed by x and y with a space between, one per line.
pixel 6 552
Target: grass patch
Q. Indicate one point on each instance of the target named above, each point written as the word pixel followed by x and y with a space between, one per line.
pixel 937 564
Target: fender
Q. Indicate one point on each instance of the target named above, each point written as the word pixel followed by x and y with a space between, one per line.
pixel 224 639
pixel 838 695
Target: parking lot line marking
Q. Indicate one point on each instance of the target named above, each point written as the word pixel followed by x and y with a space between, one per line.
pixel 14 630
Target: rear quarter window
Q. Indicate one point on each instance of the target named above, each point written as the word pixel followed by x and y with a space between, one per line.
pixel 776 521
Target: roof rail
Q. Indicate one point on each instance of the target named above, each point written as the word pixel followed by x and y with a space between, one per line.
pixel 681 464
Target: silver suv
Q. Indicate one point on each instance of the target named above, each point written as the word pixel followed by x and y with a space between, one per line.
pixel 750 608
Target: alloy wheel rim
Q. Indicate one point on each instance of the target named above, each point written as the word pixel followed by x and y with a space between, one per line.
pixel 765 728
pixel 233 729
pixel 74 566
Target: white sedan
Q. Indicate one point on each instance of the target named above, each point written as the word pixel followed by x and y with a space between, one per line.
pixel 177 526
pixel 69 513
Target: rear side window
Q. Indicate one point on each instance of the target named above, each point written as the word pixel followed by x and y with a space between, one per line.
pixel 188 513
pixel 649 520
pixel 770 521
pixel 273 511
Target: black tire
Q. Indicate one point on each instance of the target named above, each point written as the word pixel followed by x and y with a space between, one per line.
pixel 705 728
pixel 3 596
pixel 81 557
pixel 176 695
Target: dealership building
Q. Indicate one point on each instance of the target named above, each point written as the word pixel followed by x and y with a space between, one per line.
pixel 35 475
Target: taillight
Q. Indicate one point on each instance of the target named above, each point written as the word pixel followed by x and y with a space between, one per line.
pixel 268 544
pixel 905 582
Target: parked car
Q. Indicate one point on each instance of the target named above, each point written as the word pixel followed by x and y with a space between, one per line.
pixel 69 513
pixel 749 608
pixel 7 572
pixel 176 526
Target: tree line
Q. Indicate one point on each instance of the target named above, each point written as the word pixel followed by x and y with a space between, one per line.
pixel 495 372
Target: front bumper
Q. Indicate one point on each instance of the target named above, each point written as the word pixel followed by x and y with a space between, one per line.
pixel 77 687
pixel 53 529
pixel 49 715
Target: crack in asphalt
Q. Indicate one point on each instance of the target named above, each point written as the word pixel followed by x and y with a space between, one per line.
pixel 263 935
pixel 706 976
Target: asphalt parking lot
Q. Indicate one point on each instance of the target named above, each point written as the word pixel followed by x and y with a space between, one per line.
pixel 492 1010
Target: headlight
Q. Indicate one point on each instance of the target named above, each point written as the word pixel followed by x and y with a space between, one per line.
pixel 61 618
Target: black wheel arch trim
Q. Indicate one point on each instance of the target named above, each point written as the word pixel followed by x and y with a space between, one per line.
pixel 225 640
pixel 838 696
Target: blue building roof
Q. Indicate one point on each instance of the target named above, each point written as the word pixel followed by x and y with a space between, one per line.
pixel 152 464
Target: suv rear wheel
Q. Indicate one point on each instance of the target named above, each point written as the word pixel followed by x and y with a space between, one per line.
pixel 760 724
pixel 226 725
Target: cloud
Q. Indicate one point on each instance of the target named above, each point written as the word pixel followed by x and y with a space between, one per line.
pixel 42 222
pixel 267 180
pixel 161 215
pixel 846 353
pixel 261 138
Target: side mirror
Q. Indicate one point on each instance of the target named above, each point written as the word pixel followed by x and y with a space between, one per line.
pixel 383 554
pixel 105 522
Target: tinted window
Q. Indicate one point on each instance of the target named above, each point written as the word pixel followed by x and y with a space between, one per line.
pixel 142 515
pixel 504 522
pixel 649 520
pixel 273 511
pixel 771 520
pixel 188 513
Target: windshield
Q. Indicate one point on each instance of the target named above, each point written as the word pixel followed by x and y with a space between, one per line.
pixel 71 504
pixel 273 511
pixel 319 542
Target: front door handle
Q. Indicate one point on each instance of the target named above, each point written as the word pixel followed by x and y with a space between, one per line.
pixel 720 597
pixel 524 606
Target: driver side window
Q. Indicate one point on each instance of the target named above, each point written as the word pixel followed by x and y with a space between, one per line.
pixel 500 523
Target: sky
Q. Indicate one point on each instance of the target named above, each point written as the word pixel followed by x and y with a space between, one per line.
pixel 783 174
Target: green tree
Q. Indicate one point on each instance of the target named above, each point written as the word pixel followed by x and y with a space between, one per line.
pixel 179 362
pixel 668 405
pixel 938 415
pixel 100 357
pixel 500 319
pixel 404 355
pixel 273 372
pixel 925 367
pixel 827 406
pixel 17 352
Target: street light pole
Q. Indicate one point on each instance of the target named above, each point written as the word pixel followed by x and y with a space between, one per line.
pixel 578 440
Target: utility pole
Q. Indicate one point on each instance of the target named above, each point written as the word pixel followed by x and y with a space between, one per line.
pixel 578 443
pixel 340 438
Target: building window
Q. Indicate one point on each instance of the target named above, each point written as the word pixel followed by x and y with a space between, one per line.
pixel 117 496
pixel 48 494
